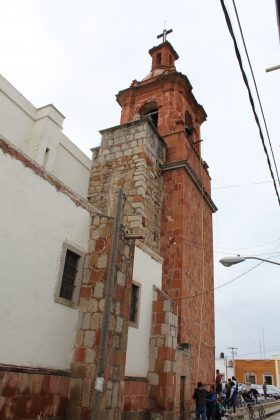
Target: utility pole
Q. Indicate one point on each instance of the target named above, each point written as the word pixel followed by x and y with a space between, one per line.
pixel 95 415
pixel 232 354
pixel 263 344
pixel 260 346
pixel 226 363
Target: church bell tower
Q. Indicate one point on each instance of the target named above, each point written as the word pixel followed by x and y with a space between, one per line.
pixel 165 97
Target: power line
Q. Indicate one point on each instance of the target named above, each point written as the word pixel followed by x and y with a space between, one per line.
pixel 253 246
pixel 224 284
pixel 248 354
pixel 233 325
pixel 257 91
pixel 241 185
pixel 263 254
pixel 237 52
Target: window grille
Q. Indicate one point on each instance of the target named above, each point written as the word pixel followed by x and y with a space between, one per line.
pixel 69 275
pixel 134 303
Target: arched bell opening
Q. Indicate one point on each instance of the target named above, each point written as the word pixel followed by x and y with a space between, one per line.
pixel 150 110
pixel 189 130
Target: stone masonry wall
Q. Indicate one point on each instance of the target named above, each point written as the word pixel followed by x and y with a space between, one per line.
pixel 186 246
pixel 129 157
pixel 136 398
pixel 163 350
pixel 87 345
pixel 183 397
pixel 30 393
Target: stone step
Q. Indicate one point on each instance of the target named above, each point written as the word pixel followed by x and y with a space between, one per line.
pixel 270 408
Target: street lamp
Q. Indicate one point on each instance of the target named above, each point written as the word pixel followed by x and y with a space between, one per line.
pixel 228 261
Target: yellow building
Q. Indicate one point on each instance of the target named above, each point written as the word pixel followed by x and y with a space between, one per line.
pixel 258 371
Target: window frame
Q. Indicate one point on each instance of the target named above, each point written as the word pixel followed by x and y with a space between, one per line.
pixel 74 302
pixel 250 375
pixel 266 375
pixel 135 324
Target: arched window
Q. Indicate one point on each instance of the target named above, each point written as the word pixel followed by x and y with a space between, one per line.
pixel 158 59
pixel 150 110
pixel 188 125
pixel 46 157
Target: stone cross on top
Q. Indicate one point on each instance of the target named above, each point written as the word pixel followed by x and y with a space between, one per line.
pixel 164 34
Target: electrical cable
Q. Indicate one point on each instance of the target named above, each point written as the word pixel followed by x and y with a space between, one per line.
pixel 229 25
pixel 255 255
pixel 242 185
pixel 224 284
pixel 253 246
pixel 236 327
pixel 248 354
pixel 257 91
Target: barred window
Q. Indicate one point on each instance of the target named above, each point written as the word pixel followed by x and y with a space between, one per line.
pixel 134 303
pixel 69 275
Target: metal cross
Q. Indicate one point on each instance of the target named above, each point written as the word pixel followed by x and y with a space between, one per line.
pixel 164 34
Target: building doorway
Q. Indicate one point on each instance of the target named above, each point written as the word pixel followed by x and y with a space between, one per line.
pixel 182 397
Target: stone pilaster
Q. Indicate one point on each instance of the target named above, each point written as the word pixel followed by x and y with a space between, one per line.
pixel 163 350
pixel 88 331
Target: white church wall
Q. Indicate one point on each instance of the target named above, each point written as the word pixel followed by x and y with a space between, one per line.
pixel 147 272
pixel 16 116
pixel 36 220
pixel 38 133
pixel 72 167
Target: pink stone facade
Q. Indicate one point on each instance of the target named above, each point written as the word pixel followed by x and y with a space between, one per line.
pixel 136 396
pixel 186 217
pixel 32 393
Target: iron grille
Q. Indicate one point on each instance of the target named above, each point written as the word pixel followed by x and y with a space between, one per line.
pixel 69 275
pixel 134 303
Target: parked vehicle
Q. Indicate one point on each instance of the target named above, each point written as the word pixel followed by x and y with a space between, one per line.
pixel 273 391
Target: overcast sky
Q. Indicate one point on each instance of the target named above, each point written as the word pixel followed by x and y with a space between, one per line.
pixel 78 55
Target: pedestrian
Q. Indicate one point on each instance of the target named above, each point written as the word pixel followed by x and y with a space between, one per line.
pixel 227 392
pixel 235 396
pixel 232 394
pixel 211 403
pixel 218 381
pixel 200 399
pixel 265 390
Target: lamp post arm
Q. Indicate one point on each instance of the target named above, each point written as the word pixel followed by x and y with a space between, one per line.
pixel 261 259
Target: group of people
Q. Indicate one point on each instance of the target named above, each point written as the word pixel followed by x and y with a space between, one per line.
pixel 213 402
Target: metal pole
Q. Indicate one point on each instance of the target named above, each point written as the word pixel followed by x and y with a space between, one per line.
pixel 226 378
pixel 232 354
pixel 273 68
pixel 107 309
pixel 262 259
